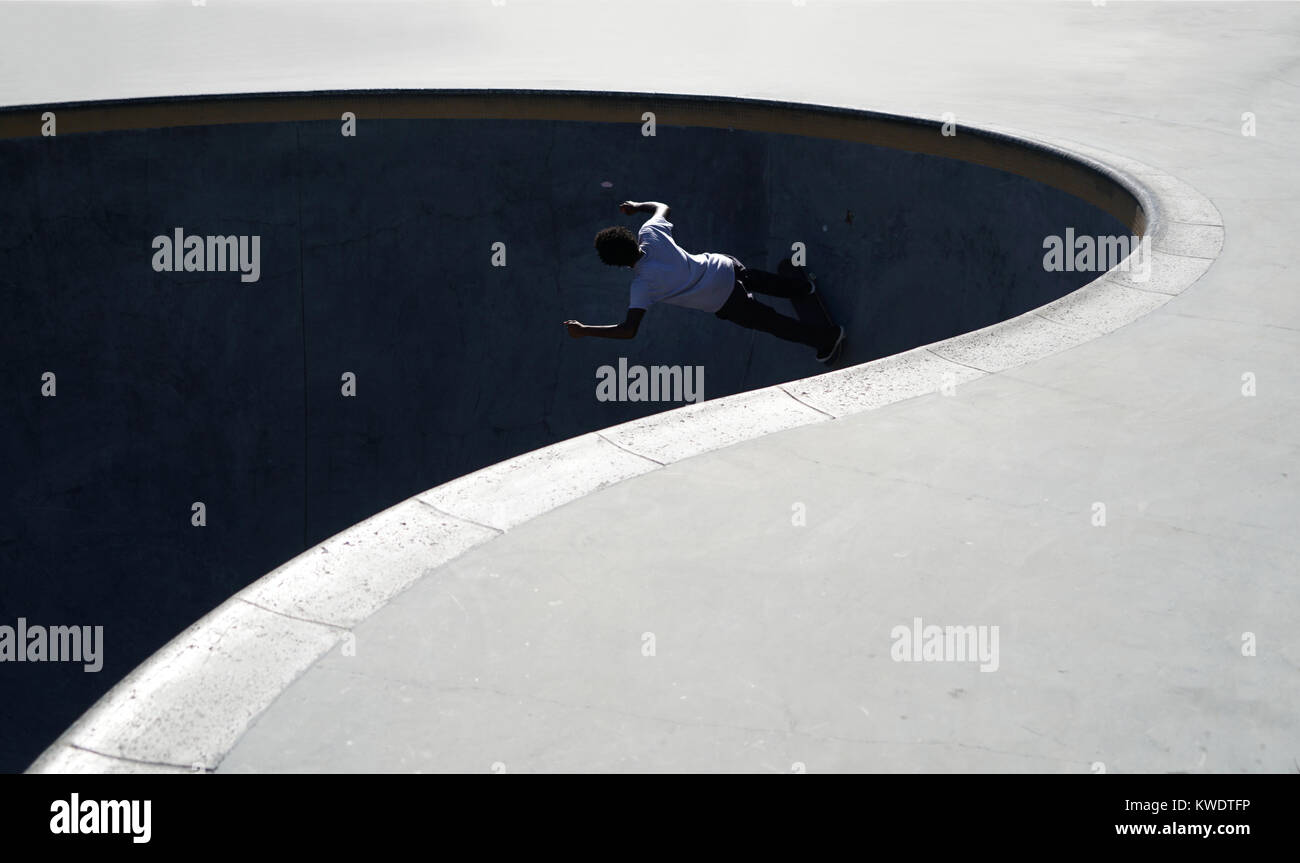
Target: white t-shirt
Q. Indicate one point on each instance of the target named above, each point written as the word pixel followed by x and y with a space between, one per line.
pixel 667 274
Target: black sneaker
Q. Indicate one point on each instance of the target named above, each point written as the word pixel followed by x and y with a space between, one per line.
pixel 832 354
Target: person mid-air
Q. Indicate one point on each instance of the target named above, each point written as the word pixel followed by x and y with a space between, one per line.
pixel 662 272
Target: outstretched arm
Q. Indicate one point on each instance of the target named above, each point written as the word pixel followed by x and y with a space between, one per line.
pixel 625 330
pixel 653 207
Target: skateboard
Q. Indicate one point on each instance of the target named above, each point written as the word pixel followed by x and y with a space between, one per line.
pixel 810 310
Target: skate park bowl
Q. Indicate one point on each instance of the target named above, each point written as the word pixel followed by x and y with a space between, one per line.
pixel 175 435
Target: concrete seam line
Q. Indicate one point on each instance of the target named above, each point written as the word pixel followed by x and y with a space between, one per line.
pixel 782 388
pixel 629 450
pixel 71 758
pixel 241 661
pixel 518 489
pixel 934 350
pixel 1044 316
pixel 1192 257
pixel 1169 294
pixel 291 616
pixel 130 760
pixel 730 413
pixel 440 511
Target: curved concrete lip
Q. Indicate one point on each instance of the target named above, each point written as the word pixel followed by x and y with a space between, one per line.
pixel 187 706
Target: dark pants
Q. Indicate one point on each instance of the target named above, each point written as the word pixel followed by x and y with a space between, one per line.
pixel 742 309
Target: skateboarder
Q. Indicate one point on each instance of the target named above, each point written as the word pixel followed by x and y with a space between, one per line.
pixel 710 282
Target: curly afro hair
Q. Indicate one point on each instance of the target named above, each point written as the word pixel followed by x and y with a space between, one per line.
pixel 617 247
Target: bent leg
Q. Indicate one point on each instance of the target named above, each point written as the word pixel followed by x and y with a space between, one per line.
pixel 745 311
pixel 772 284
